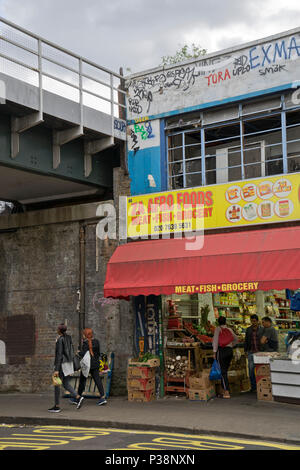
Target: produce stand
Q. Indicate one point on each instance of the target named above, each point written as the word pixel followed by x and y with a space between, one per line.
pixel 189 356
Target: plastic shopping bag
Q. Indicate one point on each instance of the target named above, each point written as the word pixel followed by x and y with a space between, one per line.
pixel 86 364
pixel 215 371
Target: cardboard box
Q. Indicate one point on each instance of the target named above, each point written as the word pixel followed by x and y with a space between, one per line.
pixel 140 384
pixel 200 381
pixel 141 372
pixel 262 370
pixel 264 382
pixel 202 394
pixel 264 394
pixel 139 395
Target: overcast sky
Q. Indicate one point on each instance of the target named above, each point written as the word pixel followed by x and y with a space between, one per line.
pixel 136 34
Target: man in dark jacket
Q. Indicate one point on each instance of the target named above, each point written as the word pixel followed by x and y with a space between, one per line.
pixel 269 338
pixel 252 346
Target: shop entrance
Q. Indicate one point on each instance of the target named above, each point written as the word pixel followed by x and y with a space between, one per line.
pixel 179 329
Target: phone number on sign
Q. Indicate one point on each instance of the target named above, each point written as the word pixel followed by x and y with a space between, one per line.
pixel 170 227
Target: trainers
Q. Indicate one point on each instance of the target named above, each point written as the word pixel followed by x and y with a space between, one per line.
pixel 102 401
pixel 54 409
pixel 73 401
pixel 79 402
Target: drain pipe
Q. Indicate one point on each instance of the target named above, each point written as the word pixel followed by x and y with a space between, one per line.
pixel 81 323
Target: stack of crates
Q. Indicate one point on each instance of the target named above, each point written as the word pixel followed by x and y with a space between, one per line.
pixel 141 381
pixel 263 382
pixel 201 388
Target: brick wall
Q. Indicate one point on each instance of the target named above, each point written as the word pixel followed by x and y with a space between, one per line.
pixel 39 278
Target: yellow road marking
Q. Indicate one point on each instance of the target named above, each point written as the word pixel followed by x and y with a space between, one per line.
pixel 58 435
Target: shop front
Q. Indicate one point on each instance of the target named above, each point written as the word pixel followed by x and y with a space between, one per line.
pixel 179 294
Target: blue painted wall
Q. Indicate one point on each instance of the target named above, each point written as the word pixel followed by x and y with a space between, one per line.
pixel 141 164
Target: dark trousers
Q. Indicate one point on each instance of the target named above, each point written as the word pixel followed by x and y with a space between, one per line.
pixel 67 386
pixel 224 357
pixel 98 381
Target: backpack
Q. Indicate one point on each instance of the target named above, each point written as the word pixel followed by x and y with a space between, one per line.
pixel 225 337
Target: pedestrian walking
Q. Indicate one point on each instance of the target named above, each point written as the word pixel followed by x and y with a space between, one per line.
pixel 223 341
pixel 92 346
pixel 253 345
pixel 63 367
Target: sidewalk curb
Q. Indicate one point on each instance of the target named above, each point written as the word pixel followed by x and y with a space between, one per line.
pixel 139 427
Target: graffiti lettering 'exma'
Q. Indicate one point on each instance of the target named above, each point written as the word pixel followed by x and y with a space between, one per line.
pixel 261 56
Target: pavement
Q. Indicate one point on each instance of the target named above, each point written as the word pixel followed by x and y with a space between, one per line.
pixel 241 416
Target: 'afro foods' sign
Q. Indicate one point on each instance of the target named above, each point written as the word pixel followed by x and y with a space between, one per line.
pixel 248 202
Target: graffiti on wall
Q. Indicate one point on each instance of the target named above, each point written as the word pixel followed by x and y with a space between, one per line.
pixel 142 135
pixel 258 67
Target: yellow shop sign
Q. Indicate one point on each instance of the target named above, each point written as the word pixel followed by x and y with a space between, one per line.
pixel 248 202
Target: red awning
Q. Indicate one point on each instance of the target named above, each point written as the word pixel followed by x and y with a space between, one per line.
pixel 251 260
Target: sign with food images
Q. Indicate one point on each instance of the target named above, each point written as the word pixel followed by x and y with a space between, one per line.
pixel 249 202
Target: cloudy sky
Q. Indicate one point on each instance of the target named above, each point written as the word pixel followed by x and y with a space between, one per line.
pixel 136 34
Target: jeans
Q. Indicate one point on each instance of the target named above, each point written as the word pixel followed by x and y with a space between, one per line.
pixel 98 381
pixel 251 367
pixel 224 357
pixel 67 386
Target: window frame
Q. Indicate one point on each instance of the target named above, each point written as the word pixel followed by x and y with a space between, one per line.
pixel 243 118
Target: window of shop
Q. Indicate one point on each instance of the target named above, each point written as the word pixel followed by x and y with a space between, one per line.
pixel 189 324
pixel 252 146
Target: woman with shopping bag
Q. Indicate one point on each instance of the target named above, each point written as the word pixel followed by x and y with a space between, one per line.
pixel 63 368
pixel 223 341
pixel 90 361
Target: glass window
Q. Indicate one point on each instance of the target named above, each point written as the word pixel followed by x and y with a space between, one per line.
pixel 293 141
pixel 176 182
pixel 175 141
pixel 263 154
pixel 192 166
pixel 232 156
pixel 193 179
